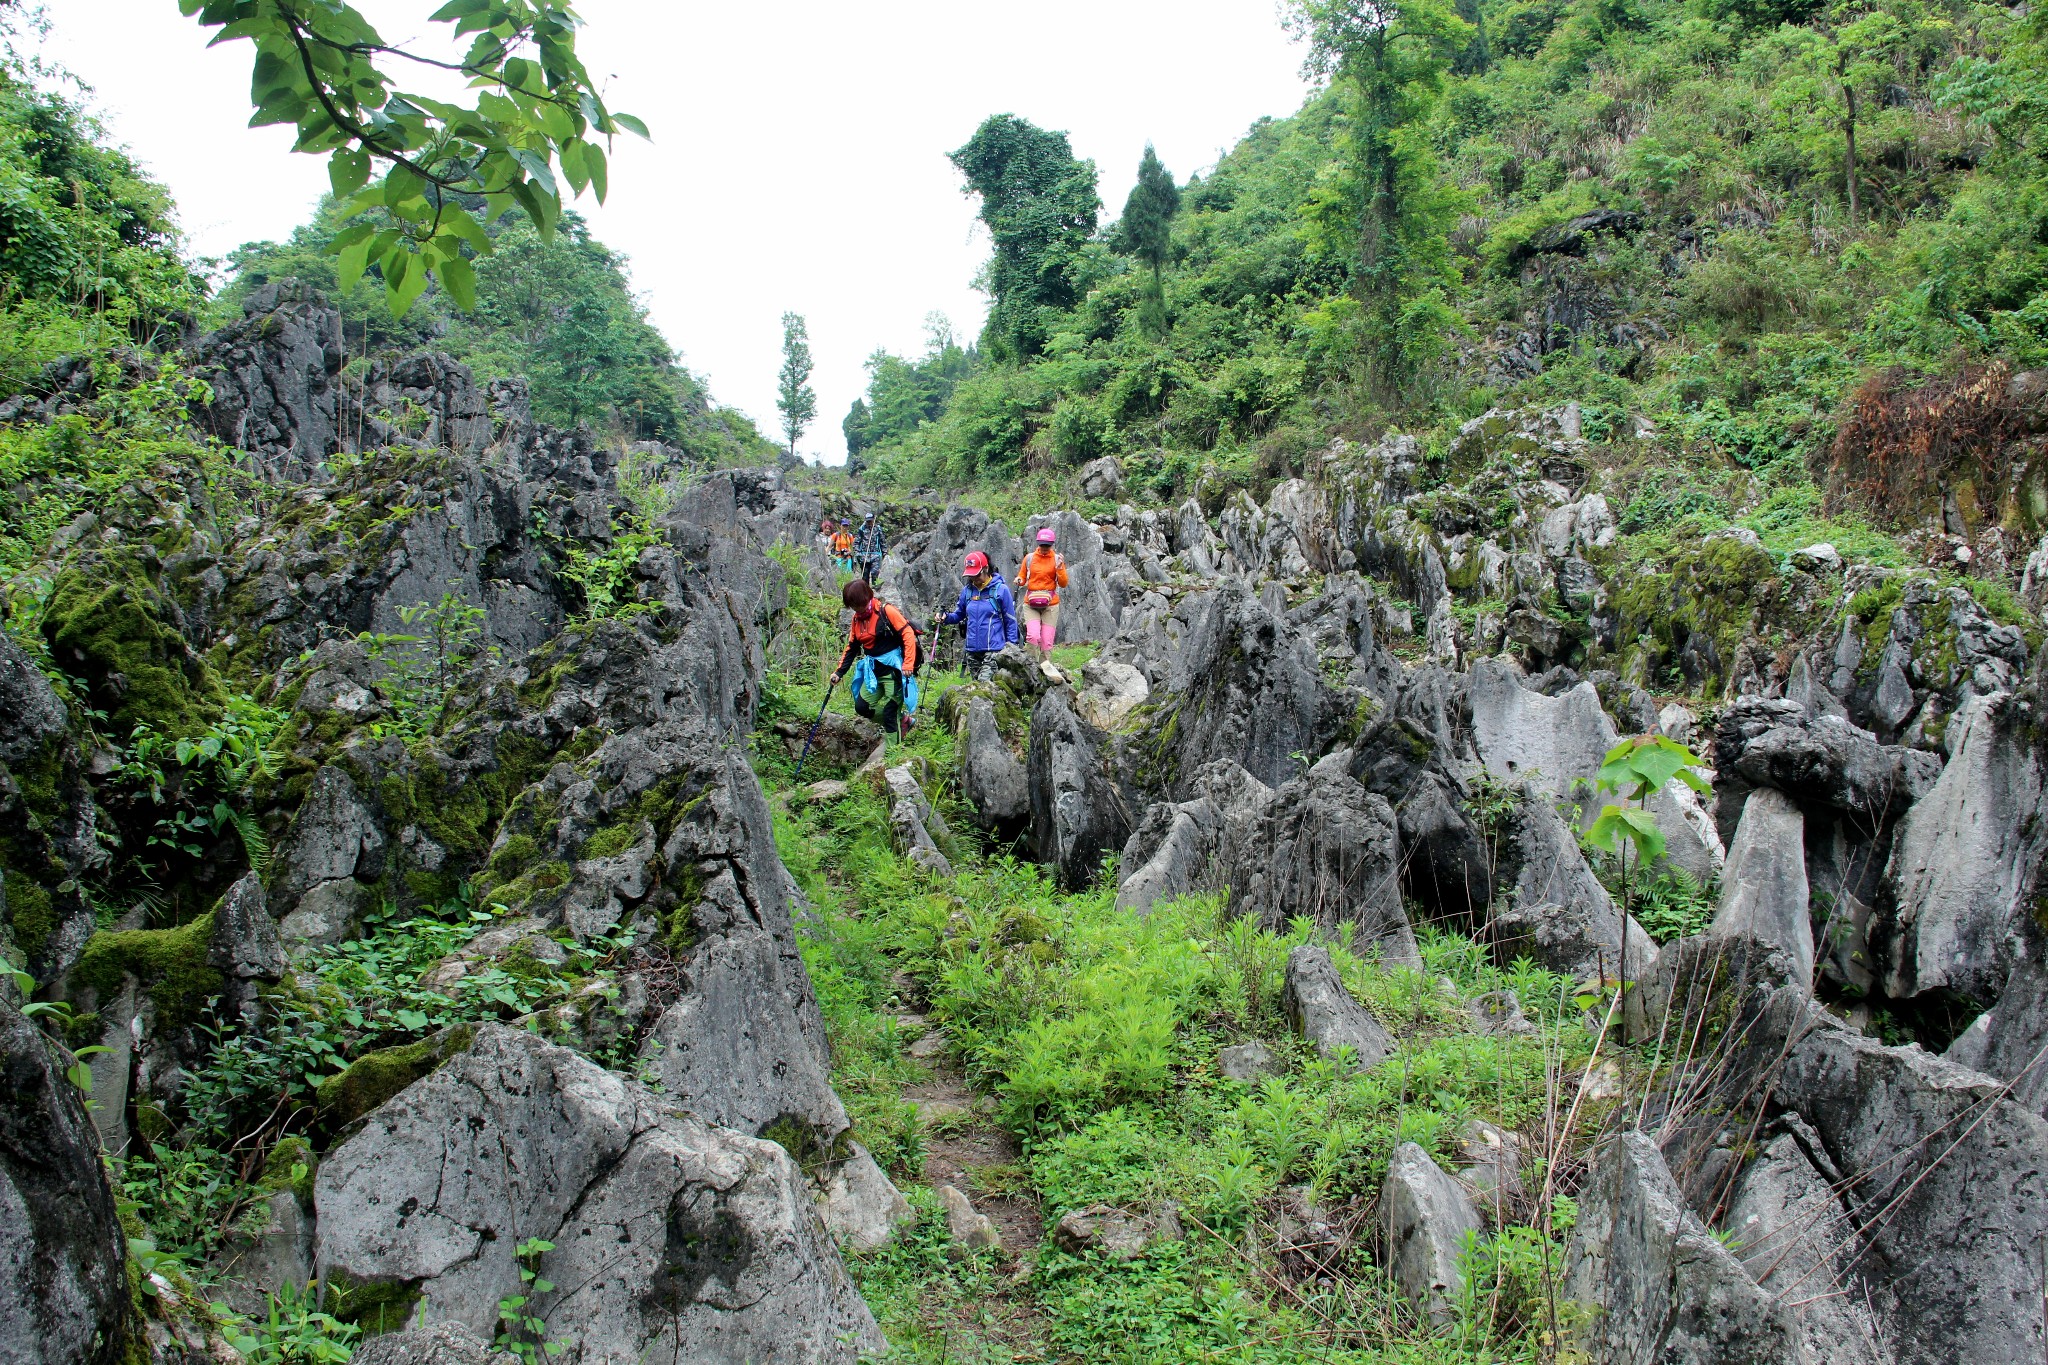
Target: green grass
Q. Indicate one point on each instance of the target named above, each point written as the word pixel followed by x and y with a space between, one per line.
pixel 1096 1032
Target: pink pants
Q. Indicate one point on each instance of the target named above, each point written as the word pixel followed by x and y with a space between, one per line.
pixel 1040 624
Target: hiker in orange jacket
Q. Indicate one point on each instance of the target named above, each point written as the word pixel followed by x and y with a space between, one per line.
pixel 881 649
pixel 1039 581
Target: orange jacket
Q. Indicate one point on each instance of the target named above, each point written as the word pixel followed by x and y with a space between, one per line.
pixel 842 544
pixel 878 633
pixel 1043 571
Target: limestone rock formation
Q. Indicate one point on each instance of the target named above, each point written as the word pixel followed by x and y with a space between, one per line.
pixel 1324 1012
pixel 647 1208
pixel 1427 1218
pixel 1658 1285
pixel 64 1296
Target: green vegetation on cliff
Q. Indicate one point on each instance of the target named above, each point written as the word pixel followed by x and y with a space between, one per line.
pixel 1724 217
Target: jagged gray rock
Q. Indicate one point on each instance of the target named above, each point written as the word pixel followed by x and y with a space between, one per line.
pixel 1764 890
pixel 1326 849
pixel 1561 915
pixel 54 844
pixel 1658 1286
pixel 254 1263
pixel 860 1204
pixel 443 1343
pixel 2010 1040
pixel 993 781
pixel 64 1297
pixel 1427 1218
pixel 1556 744
pixel 245 947
pixel 334 838
pixel 1077 812
pixel 1792 1233
pixel 648 1209
pixel 272 378
pixel 1940 1173
pixel 1965 856
pixel 1236 683
pixel 1119 1234
pixel 1191 846
pixel 1323 1012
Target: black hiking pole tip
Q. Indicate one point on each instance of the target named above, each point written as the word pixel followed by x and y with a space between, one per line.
pixel 814 729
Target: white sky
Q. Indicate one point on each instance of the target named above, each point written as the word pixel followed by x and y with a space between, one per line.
pixel 799 152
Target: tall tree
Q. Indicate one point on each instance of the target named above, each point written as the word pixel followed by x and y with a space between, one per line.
pixel 1393 57
pixel 1040 205
pixel 1146 232
pixel 795 399
pixel 443 170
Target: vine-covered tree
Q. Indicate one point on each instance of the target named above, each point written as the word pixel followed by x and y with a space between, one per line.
pixel 1392 57
pixel 795 399
pixel 1040 205
pixel 438 170
pixel 1146 232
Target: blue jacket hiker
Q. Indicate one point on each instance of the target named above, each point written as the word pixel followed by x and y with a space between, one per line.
pixel 986 611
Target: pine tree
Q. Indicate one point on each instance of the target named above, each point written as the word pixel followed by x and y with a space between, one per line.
pixel 795 399
pixel 1146 232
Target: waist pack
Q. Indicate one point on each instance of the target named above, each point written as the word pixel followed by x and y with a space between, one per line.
pixel 1038 601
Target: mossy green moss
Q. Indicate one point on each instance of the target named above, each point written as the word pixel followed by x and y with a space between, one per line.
pixel 170 965
pixel 107 623
pixel 290 1166
pixel 610 841
pixel 376 1076
pixel 376 1307
pixel 1696 605
pixel 31 914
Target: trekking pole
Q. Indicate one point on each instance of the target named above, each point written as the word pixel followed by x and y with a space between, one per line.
pixel 814 728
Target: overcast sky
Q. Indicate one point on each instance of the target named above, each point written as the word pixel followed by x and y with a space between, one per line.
pixel 799 152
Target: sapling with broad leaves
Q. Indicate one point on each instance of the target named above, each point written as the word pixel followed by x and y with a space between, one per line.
pixel 1637 770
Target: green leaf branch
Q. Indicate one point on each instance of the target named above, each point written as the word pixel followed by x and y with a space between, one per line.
pixel 423 176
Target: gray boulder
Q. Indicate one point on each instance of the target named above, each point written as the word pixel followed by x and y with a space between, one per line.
pixel 970 1230
pixel 733 1053
pixel 1764 891
pixel 1965 856
pixel 1556 744
pixel 2010 1040
pixel 1237 683
pixel 1560 914
pixel 1794 1236
pixel 1939 1170
pixel 1110 693
pixel 443 1343
pixel 257 1261
pixel 674 1241
pixel 1102 478
pixel 1077 811
pixel 1327 849
pixel 993 781
pixel 1118 1234
pixel 64 1295
pixel 1819 760
pixel 334 839
pixel 1248 1062
pixel 860 1204
pixel 272 379
pixel 245 947
pixel 1193 845
pixel 1428 1220
pixel 1324 1013
pixel 49 812
pixel 1657 1285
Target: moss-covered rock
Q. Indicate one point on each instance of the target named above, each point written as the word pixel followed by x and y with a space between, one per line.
pixel 376 1076
pixel 109 624
pixel 169 964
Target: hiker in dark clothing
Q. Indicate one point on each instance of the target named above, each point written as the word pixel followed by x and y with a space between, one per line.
pixel 987 614
pixel 869 547
pixel 881 652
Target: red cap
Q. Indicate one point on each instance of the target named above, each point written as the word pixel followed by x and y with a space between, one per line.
pixel 977 563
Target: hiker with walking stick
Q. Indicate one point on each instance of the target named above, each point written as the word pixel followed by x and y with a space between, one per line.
pixel 881 652
pixel 986 614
